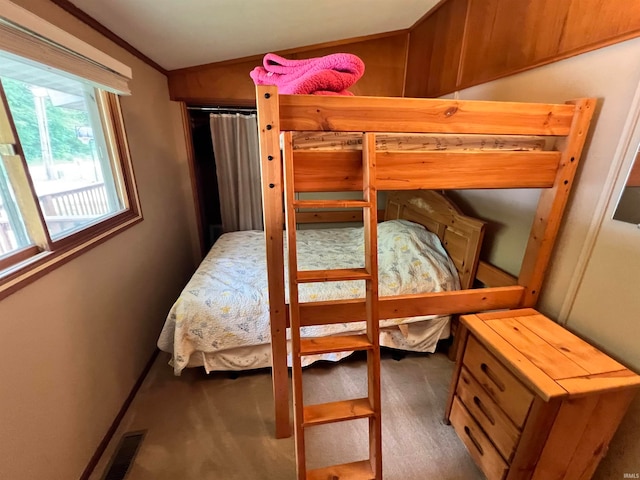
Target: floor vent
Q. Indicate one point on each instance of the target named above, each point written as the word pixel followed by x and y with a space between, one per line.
pixel 124 455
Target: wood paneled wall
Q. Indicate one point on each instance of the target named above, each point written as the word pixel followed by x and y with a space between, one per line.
pixel 228 83
pixel 462 43
pixel 435 46
pixel 458 44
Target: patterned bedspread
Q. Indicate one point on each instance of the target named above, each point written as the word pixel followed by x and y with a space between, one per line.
pixel 225 304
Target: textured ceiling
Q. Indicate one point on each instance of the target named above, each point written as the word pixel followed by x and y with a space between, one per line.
pixel 184 33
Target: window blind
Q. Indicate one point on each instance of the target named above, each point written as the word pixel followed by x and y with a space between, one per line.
pixel 28 38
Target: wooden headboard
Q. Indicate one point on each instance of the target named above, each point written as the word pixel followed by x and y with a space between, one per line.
pixel 460 235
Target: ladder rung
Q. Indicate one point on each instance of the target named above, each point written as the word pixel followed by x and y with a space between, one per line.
pixel 331 204
pixel 305 276
pixel 347 471
pixel 337 411
pixel 336 343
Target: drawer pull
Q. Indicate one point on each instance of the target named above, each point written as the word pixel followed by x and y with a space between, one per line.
pixel 467 430
pixel 483 409
pixel 492 376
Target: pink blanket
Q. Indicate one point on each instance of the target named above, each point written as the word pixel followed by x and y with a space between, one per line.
pixel 328 75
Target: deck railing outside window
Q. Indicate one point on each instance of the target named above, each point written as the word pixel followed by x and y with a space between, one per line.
pixel 63 210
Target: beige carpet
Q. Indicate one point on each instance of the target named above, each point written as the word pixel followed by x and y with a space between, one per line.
pixel 203 427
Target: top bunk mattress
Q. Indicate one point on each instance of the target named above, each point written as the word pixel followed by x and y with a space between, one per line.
pixel 419 142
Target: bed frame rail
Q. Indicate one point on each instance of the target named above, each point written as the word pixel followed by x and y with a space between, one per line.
pixel 420 115
pixel 326 171
pixel 402 306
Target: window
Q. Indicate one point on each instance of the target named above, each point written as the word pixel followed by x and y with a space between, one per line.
pixel 66 181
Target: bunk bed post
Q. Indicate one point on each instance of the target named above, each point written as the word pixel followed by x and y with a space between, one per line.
pixel 370 224
pixel 552 204
pixel 272 205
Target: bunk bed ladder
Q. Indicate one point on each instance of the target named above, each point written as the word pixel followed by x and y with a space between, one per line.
pixel 306 417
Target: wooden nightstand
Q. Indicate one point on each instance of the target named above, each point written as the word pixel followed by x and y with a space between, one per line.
pixel 530 400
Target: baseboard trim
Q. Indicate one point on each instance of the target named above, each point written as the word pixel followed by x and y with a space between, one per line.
pixel 102 446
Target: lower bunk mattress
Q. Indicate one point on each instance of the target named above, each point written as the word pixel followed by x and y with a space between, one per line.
pixel 221 318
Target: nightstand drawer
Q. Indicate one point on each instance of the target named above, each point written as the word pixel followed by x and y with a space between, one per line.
pixel 479 446
pixel 488 414
pixel 505 389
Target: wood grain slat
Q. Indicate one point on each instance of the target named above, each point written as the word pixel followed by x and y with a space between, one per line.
pixel 441 303
pixel 333 216
pixel 351 471
pixel 411 115
pixel 336 343
pixel 517 363
pixel 306 276
pixel 328 171
pixel 331 204
pixel 587 356
pixel 538 351
pixel 602 382
pixel 463 170
pixel 518 312
pixel 337 411
pixel 492 276
pixel 331 171
pixel 456 245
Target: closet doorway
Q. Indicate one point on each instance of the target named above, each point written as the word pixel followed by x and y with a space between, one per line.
pixel 206 180
pixel 205 172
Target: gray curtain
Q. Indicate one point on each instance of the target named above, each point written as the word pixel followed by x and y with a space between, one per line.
pixel 235 146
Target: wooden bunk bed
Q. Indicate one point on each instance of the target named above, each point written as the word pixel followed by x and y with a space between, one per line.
pixel 370 168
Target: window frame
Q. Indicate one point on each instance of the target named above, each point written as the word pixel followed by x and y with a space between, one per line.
pixel 25 265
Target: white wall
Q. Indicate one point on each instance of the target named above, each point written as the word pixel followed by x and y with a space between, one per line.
pixel 607 284
pixel 611 75
pixel 606 309
pixel 73 343
pixel 606 306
